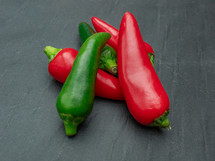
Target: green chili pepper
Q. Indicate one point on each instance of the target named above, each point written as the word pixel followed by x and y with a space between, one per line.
pixel 75 101
pixel 108 59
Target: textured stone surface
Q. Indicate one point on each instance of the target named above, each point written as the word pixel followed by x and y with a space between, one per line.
pixel 182 34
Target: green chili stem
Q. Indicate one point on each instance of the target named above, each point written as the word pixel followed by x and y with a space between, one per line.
pixel 51 52
pixel 71 129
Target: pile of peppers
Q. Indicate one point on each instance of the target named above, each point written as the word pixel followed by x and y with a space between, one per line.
pixel 113 64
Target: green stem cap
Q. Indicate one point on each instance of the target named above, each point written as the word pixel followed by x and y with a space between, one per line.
pixel 71 129
pixel 151 57
pixel 111 66
pixel 161 121
pixel 114 69
pixel 51 52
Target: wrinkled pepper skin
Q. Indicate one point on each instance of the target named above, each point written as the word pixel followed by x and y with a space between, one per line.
pixel 75 101
pixel 61 62
pixel 145 96
pixel 108 59
pixel 102 26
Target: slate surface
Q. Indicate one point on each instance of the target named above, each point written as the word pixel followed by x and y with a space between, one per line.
pixel 182 34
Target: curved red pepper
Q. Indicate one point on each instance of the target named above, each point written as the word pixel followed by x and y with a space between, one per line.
pixel 107 86
pixel 102 26
pixel 144 94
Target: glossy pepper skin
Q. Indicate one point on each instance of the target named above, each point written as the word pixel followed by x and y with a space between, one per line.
pixel 108 59
pixel 61 62
pixel 60 65
pixel 75 101
pixel 145 96
pixel 102 26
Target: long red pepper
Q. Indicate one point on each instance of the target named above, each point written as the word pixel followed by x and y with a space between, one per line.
pixel 102 26
pixel 61 61
pixel 144 94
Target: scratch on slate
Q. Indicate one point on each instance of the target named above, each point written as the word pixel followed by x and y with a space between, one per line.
pixel 112 9
pixel 173 86
pixel 18 11
pixel 116 1
pixel 148 150
pixel 117 138
pixel 204 137
pixel 3 73
pixel 182 128
pixel 59 153
pixel 10 116
pixel 159 19
pixel 125 153
pixel 42 93
pixel 63 28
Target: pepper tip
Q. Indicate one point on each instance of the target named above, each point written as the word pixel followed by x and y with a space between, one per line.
pixel 161 121
pixel 70 129
pixel 93 18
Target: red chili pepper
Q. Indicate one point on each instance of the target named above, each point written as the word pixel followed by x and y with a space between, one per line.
pixel 60 65
pixel 144 94
pixel 102 26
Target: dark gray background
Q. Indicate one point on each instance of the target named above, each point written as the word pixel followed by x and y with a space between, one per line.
pixel 182 33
